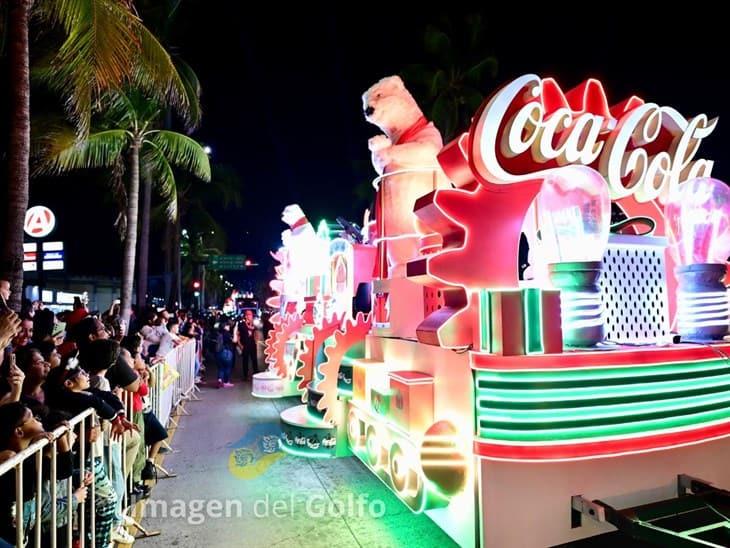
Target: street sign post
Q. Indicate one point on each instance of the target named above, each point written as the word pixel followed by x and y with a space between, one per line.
pixel 228 262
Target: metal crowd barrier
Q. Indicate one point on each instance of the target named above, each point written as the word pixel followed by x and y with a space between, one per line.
pixel 166 396
pixel 36 451
pixel 173 383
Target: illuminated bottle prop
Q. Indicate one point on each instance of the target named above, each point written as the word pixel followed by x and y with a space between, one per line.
pixel 698 227
pixel 574 213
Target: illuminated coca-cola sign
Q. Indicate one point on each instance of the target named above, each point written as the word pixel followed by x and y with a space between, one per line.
pixel 530 126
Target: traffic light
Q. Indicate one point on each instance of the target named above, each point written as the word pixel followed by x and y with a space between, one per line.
pixel 196 284
pixel 247 262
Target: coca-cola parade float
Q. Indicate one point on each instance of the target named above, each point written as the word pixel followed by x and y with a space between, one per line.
pixel 585 393
pixel 319 277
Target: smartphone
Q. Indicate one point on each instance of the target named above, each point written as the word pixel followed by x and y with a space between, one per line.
pixel 8 364
pixel 3 304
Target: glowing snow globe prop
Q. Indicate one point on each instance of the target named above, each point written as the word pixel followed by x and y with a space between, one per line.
pixel 698 227
pixel 574 213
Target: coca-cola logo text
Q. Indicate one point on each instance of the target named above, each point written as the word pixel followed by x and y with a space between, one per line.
pixel 641 148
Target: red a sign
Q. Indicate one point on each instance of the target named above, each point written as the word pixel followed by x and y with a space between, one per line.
pixel 39 221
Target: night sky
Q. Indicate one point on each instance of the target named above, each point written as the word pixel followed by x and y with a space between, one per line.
pixel 281 99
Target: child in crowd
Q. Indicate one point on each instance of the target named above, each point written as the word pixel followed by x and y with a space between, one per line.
pixel 19 428
pixel 154 432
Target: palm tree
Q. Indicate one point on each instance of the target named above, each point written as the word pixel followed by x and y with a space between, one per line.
pixel 453 85
pixel 105 45
pixel 194 200
pixel 197 246
pixel 129 130
pixel 192 89
pixel 19 148
pixel 160 16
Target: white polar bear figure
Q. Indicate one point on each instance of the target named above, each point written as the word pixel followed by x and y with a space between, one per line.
pixel 407 149
pixel 304 251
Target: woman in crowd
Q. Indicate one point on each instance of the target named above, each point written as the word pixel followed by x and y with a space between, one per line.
pixel 225 354
pixel 154 432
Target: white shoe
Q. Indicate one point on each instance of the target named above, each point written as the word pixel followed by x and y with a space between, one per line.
pixel 121 536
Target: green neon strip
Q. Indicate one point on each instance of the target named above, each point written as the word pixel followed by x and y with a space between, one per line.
pixel 317 418
pixel 600 412
pixel 484 404
pixel 642 371
pixel 605 430
pixel 696 530
pixel 532 302
pixel 484 320
pixel 602 392
pixel 556 384
pixel 648 414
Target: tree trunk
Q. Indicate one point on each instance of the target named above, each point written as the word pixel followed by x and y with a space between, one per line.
pixel 19 149
pixel 144 242
pixel 169 269
pixel 130 241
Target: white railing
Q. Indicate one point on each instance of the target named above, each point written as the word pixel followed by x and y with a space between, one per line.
pixel 36 451
pixel 173 381
pixel 172 384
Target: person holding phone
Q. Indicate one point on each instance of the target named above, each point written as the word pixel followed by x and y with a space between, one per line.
pixel 9 325
pixel 11 384
pixel 4 294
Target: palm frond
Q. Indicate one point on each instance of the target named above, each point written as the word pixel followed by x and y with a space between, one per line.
pixel 482 72
pixel 130 109
pixel 225 187
pixel 108 46
pixel 438 43
pixel 182 151
pixel 63 153
pixel 118 110
pixel 42 68
pixel 202 221
pixel 49 132
pixel 159 170
pixel 102 43
pixel 156 74
pixel 192 90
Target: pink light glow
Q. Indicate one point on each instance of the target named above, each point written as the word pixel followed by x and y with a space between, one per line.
pixel 574 214
pixel 698 218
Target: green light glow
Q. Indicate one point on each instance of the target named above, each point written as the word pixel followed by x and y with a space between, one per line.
pixel 434 489
pixel 484 320
pixel 564 405
pixel 383 476
pixel 637 371
pixel 536 416
pixel 318 420
pixel 323 230
pixel 623 429
pixel 601 392
pixel 532 302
